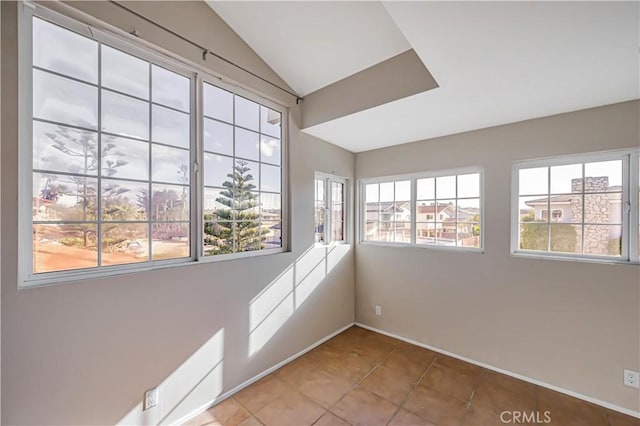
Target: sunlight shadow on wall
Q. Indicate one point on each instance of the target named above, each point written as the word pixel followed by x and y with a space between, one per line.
pixel 270 309
pixel 195 383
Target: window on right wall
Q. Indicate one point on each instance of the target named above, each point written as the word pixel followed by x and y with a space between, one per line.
pixel 593 200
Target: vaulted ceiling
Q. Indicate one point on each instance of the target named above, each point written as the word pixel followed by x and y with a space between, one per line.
pixel 494 62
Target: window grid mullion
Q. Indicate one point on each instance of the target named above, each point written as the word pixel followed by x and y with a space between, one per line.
pixel 99 163
pixel 150 171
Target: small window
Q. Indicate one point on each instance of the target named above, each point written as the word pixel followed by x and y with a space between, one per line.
pixel 242 174
pixel 330 209
pixel 435 209
pixel 588 197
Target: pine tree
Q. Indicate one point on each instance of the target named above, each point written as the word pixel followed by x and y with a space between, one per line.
pixel 237 228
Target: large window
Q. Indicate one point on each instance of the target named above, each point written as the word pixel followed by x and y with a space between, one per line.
pixel 589 198
pixel 330 205
pixel 110 166
pixel 435 209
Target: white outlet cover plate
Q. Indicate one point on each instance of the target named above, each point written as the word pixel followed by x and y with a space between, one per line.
pixel 150 399
pixel 632 378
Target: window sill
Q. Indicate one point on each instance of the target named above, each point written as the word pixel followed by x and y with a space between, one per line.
pixel 56 278
pixel 424 246
pixel 570 258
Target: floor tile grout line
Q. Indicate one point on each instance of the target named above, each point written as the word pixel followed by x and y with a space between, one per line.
pixel 411 392
pixel 375 367
pixel 251 413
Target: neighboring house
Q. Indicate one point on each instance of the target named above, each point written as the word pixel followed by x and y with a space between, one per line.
pixel 602 204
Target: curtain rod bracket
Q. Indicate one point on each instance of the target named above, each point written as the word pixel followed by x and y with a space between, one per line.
pixel 204 54
pixel 135 33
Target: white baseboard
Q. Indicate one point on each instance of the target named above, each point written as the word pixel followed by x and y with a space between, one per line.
pixel 254 379
pixel 507 373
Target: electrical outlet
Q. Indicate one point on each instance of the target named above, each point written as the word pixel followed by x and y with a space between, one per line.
pixel 150 399
pixel 378 310
pixel 631 378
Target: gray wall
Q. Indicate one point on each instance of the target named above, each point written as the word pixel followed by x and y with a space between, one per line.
pixel 84 352
pixel 570 324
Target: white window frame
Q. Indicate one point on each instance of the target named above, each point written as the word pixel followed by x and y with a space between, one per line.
pixel 328 179
pixel 284 167
pixel 413 177
pixel 629 158
pixel 92 29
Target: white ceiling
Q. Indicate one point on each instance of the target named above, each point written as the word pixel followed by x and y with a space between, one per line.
pixel 312 44
pixel 495 62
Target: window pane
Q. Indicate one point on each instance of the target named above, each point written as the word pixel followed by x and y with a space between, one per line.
pixel 270 150
pixel 337 192
pixel 218 237
pixel 534 236
pixel 170 203
pixel 218 103
pixel 64 247
pixel 468 235
pixel 218 169
pixel 124 243
pixel 218 137
pixel 124 201
pixel 469 185
pixel 270 122
pixel 426 211
pixel 445 187
pixel 64 198
pixel 446 233
pixel 125 116
pixel 213 203
pixel 468 210
pixel 270 178
pixel 169 165
pixel 247 113
pixel 425 233
pixel 426 189
pixel 603 176
pixel 247 144
pixel 371 192
pixel 566 179
pixel 402 232
pixel 170 127
pixel 371 232
pixel 64 51
pixel 531 208
pixel 125 73
pixel 250 236
pixel 386 191
pixel 372 213
pixel 63 149
pixel 271 234
pixel 246 175
pixel 320 189
pixel 170 241
pixel 603 240
pixel 566 238
pixel 534 181
pixel 402 212
pixel 64 101
pixel 125 158
pixel 170 89
pixel 271 207
pixel 403 191
pixel 386 231
pixel 603 208
pixel 446 211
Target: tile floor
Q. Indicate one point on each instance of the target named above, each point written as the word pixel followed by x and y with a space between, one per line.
pixel 364 378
